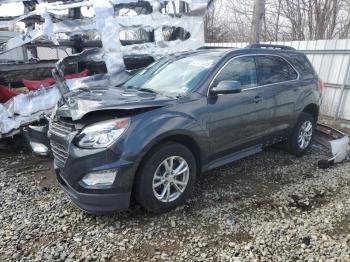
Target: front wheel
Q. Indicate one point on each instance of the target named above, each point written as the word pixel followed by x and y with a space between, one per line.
pixel 166 177
pixel 302 135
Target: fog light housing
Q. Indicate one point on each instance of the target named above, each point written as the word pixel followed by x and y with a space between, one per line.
pixel 39 149
pixel 99 179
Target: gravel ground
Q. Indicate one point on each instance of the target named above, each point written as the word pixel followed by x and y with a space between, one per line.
pixel 268 207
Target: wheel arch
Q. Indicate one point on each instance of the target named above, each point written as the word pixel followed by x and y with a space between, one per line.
pixel 313 110
pixel 183 139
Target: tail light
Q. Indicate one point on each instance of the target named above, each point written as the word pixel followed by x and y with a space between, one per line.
pixel 321 85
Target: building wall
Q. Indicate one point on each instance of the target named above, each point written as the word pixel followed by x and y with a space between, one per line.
pixel 16 54
pixel 44 53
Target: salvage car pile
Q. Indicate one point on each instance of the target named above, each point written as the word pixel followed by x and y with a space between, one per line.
pixel 36 99
pixel 130 31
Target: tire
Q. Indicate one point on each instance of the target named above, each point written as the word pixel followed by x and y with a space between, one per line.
pixel 149 187
pixel 295 142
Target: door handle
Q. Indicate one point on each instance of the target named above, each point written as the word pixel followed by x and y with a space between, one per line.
pixel 258 99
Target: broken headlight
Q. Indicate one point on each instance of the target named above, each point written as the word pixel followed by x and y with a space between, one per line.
pixel 102 134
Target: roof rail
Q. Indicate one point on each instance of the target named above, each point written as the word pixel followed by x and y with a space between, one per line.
pixel 215 47
pixel 282 47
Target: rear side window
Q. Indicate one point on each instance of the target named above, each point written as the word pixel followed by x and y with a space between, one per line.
pixel 303 64
pixel 274 69
pixel 240 69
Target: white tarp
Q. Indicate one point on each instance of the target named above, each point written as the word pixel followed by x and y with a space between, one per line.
pixel 26 108
pixel 108 25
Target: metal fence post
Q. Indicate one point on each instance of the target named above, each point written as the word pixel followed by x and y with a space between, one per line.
pixel 346 77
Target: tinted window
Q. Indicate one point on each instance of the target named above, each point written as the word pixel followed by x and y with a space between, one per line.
pixel 273 69
pixel 303 64
pixel 239 69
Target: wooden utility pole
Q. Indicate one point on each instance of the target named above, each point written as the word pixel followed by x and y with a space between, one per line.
pixel 257 21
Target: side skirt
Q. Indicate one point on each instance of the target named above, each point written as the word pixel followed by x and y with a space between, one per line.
pixel 234 157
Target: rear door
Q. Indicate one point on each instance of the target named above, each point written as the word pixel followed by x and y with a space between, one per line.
pixel 278 80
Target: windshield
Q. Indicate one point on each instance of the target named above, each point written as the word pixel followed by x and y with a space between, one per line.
pixel 172 76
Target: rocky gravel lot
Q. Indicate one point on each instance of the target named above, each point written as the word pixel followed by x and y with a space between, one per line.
pixel 268 207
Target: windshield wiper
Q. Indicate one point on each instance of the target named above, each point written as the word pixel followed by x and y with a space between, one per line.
pixel 128 87
pixel 147 90
pixel 144 89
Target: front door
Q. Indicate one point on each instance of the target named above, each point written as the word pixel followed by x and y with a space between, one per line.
pixel 236 119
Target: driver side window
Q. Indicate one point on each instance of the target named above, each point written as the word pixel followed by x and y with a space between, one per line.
pixel 241 69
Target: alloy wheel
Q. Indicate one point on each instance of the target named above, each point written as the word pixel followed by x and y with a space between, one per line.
pixel 305 135
pixel 170 179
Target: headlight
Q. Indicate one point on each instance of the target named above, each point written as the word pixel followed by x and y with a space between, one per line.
pixel 103 133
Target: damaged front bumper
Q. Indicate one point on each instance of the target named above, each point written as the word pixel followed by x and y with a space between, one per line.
pixel 72 164
pixel 94 202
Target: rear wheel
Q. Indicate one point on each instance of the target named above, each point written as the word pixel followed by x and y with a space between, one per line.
pixel 165 178
pixel 302 135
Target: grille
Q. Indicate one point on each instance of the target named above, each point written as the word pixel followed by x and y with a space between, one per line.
pixel 61 128
pixel 60 153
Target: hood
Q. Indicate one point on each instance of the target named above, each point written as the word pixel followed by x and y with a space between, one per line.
pixel 83 101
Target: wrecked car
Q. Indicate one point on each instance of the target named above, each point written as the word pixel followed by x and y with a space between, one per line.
pixel 150 137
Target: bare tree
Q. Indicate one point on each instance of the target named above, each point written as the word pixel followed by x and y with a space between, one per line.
pixel 344 17
pixel 236 20
pixel 284 20
pixel 315 19
pixel 214 29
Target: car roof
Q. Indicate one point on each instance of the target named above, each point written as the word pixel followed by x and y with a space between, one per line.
pixel 219 53
pixel 254 48
pixel 215 52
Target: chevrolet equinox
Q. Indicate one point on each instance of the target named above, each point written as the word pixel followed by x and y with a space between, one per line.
pixel 150 137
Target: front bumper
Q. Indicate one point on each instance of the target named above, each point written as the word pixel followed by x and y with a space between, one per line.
pixel 95 203
pixel 73 163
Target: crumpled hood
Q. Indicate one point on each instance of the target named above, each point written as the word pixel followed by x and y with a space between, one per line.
pixel 82 101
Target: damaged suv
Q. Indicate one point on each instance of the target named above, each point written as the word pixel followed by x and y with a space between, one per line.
pixel 148 138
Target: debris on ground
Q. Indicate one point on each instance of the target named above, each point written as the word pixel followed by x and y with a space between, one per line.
pixel 335 141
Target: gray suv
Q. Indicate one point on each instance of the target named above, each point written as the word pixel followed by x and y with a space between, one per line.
pixel 149 138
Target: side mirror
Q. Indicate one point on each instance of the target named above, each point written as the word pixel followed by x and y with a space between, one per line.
pixel 226 87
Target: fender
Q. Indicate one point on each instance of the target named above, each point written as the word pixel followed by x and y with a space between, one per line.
pixel 142 135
